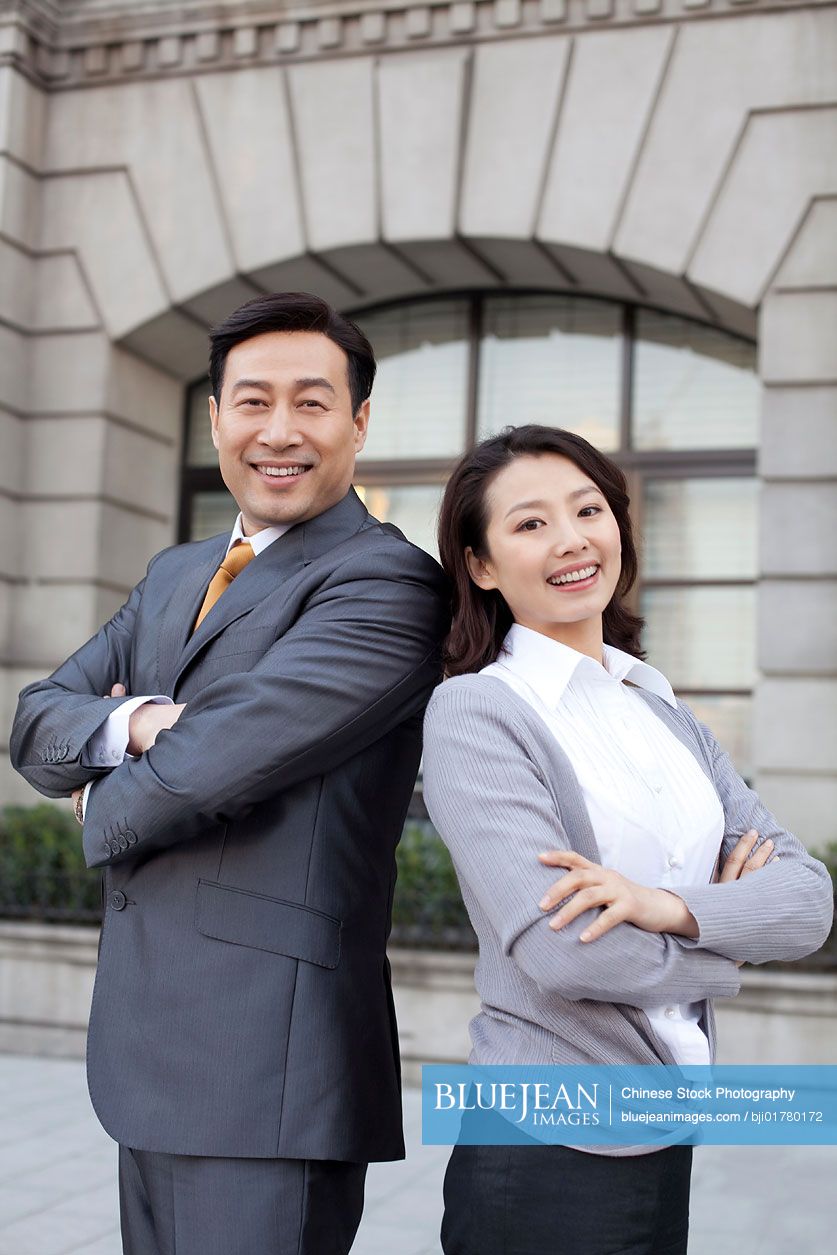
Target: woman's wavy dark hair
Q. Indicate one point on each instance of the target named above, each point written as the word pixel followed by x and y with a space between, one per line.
pixel 481 619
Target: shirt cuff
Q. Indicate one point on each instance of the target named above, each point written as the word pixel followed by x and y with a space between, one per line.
pixel 108 746
pixel 84 796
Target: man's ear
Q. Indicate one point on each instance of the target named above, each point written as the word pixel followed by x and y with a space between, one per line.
pixel 479 571
pixel 361 422
pixel 213 418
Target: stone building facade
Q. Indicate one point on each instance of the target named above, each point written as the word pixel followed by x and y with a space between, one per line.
pixel 160 163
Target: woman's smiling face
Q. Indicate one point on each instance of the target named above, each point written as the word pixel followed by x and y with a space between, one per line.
pixel 553 548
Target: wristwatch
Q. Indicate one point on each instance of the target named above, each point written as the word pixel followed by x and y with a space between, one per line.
pixel 79 807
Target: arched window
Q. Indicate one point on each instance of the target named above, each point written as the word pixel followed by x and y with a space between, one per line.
pixel 674 402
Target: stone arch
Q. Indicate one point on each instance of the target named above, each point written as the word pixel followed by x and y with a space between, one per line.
pixel 617 161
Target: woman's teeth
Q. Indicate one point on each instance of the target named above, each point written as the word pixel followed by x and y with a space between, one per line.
pixel 573 577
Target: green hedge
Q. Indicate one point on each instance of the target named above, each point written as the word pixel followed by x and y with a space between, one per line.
pixel 42 871
pixel 428 909
pixel 43 876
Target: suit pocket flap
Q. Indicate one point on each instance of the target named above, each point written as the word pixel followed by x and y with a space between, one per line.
pixel 251 919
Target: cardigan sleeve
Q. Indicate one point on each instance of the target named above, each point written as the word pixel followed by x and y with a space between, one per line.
pixel 782 911
pixel 494 811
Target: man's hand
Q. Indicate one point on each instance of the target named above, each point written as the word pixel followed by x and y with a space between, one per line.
pixel 147 721
pixel 117 690
pixel 625 901
pixel 143 726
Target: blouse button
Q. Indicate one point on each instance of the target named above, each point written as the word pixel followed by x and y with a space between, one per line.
pixel 670 1013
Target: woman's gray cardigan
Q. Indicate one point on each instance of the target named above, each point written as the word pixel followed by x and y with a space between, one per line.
pixel 499 789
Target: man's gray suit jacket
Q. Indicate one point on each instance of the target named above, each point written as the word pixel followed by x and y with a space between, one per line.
pixel 242 1004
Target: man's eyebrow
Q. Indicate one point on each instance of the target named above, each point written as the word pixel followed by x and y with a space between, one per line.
pixel 261 384
pixel 534 505
pixel 314 382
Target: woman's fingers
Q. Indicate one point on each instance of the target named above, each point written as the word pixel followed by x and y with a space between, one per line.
pixel 564 858
pixel 568 884
pixel 607 919
pixel 735 863
pixel 584 900
pixel 758 858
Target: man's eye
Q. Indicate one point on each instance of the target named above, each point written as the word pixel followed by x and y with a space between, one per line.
pixel 310 403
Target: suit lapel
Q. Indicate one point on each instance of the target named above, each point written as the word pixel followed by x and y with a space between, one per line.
pixel 275 565
pixel 184 603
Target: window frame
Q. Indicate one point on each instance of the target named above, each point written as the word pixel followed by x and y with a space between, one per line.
pixel 638 465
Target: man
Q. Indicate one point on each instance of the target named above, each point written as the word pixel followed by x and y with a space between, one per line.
pixel 246 802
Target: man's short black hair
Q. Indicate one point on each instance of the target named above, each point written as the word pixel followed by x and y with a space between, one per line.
pixel 293 311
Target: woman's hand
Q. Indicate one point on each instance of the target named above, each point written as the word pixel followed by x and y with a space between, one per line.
pixel 742 860
pixel 624 901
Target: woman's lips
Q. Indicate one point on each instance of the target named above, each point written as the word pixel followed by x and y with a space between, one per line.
pixel 572 585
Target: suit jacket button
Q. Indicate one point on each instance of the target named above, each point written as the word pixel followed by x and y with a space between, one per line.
pixel 62 753
pixel 132 837
pixel 114 847
pixel 123 843
pixel 118 900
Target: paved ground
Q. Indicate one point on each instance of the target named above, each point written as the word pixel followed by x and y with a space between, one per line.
pixel 58 1183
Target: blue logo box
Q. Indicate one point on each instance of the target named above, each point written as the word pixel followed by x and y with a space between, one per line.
pixel 627 1105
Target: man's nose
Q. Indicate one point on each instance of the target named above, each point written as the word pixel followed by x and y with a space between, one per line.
pixel 280 428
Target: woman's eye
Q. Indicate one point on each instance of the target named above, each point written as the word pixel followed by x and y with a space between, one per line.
pixel 529 525
pixel 585 513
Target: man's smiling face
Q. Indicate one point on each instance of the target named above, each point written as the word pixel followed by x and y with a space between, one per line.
pixel 284 429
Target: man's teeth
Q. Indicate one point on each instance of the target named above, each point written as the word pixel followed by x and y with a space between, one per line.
pixel 279 471
pixel 574 576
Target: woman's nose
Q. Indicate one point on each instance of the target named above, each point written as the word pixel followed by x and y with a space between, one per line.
pixel 568 539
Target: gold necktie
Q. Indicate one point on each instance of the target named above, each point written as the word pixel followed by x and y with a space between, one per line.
pixel 235 562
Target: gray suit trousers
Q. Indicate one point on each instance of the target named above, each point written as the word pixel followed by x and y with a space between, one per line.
pixel 191 1205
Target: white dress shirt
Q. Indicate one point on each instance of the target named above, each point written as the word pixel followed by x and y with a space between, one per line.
pixel 108 746
pixel 655 815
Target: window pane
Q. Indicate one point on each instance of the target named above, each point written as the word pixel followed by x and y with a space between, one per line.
pixel 420 393
pixel 200 450
pixel 729 719
pixel 211 513
pixel 552 360
pixel 694 387
pixel 412 507
pixel 702 637
pixel 700 528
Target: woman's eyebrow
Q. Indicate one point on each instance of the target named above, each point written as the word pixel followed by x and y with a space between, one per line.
pixel 539 505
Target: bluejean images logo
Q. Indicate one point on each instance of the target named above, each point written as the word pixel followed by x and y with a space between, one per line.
pixel 629 1105
pixel 539 1102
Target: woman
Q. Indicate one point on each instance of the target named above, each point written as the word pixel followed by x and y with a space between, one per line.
pixel 554 746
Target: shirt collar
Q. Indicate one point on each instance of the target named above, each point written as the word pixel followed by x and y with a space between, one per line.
pixel 547 666
pixel 259 540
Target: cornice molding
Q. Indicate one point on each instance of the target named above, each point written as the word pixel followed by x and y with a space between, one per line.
pixel 68 43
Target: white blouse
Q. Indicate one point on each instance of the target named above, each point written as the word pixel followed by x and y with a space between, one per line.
pixel 655 814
